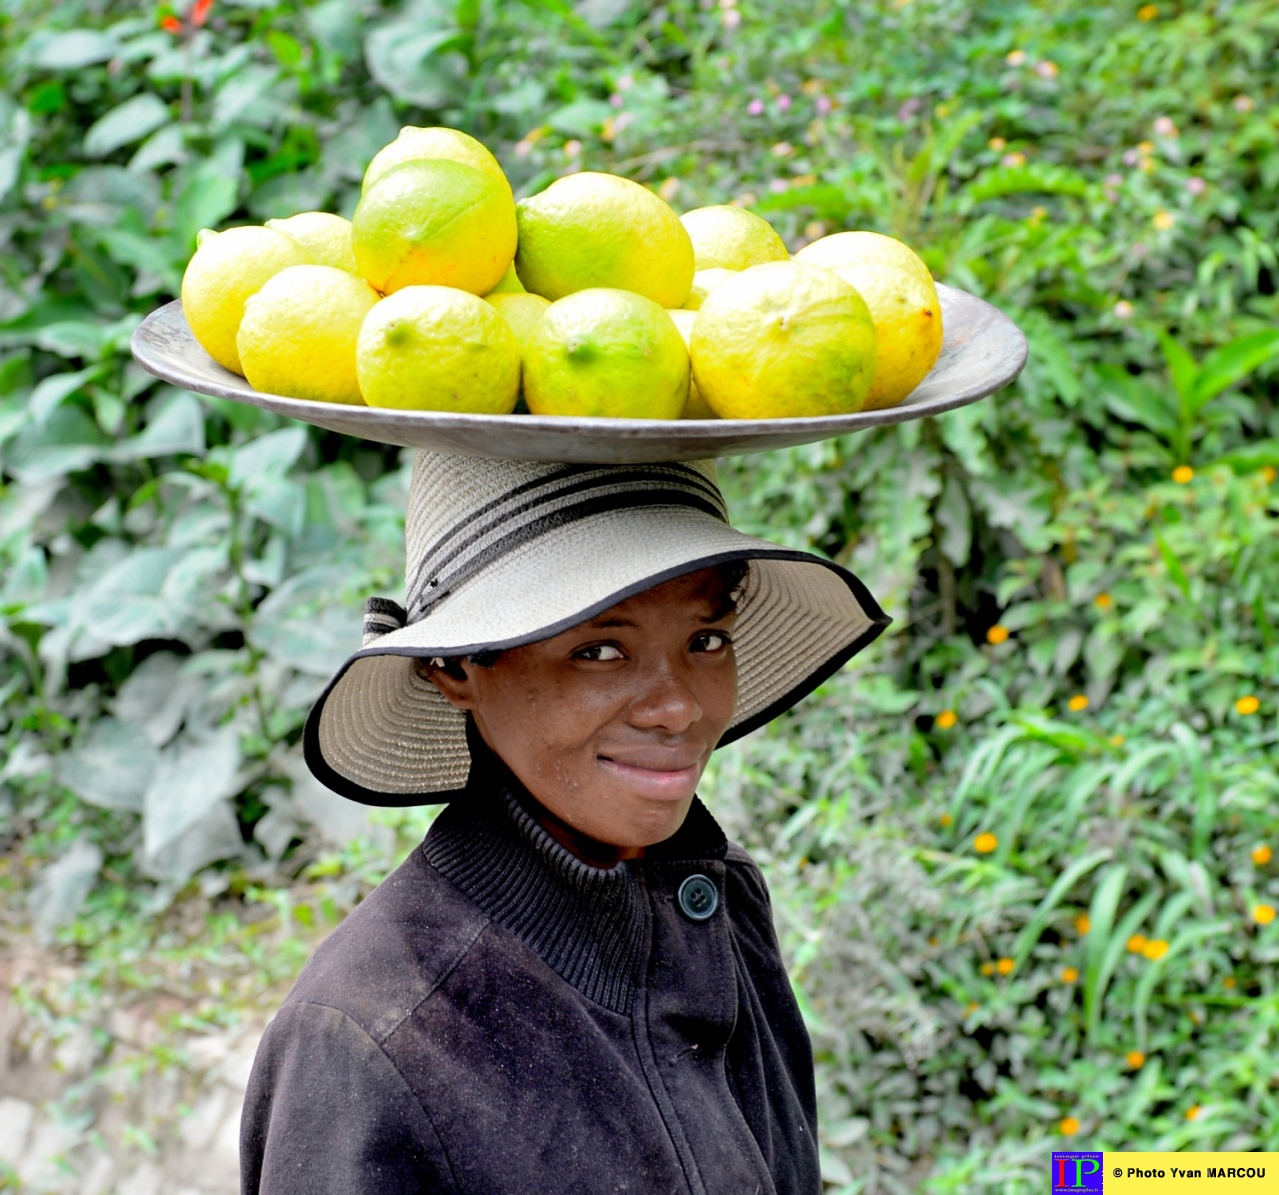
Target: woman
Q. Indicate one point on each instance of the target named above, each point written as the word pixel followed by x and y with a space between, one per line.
pixel 574 984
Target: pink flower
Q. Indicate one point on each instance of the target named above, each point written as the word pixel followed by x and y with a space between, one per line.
pixel 1195 185
pixel 755 108
pixel 1131 157
pixel 732 18
pixel 783 103
pixel 778 185
pixel 823 105
pixel 1046 70
pixel 626 82
pixel 615 100
pixel 1114 180
pixel 1164 127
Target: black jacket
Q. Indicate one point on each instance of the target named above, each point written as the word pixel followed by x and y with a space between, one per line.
pixel 498 1018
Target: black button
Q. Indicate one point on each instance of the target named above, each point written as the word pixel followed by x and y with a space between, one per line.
pixel 698 898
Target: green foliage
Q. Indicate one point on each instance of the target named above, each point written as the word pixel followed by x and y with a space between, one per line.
pixel 180 575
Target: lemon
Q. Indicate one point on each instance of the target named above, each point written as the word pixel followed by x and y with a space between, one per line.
pixel 299 332
pixel 696 407
pixel 599 230
pixel 731 238
pixel 522 312
pixel 434 223
pixel 325 237
pixel 902 298
pixel 224 271
pixel 414 143
pixel 509 284
pixel 436 348
pixel 705 281
pixel 783 340
pixel 610 352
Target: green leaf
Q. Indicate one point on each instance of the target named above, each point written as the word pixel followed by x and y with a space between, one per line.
pixel 1181 368
pixel 1173 565
pixel 1232 362
pixel 1252 457
pixel 54 390
pixel 1035 177
pixel 1137 402
pixel 209 196
pixel 129 122
pixel 418 65
pixel 111 766
pixel 71 50
pixel 1034 929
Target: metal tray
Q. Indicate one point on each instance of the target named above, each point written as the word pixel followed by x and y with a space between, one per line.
pixel 982 351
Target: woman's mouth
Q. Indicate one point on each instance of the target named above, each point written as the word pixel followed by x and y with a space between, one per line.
pixel 663 783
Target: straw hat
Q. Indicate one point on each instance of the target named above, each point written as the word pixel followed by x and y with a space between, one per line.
pixel 504 553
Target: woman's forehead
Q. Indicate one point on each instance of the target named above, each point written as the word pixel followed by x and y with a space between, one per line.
pixel 703 596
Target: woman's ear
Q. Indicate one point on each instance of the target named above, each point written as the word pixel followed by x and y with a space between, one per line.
pixel 452 679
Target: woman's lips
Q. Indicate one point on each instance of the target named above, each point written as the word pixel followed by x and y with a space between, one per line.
pixel 658 784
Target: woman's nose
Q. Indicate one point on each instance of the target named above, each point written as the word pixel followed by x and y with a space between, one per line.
pixel 666 701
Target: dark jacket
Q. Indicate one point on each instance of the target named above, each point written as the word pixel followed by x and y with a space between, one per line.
pixel 498 1018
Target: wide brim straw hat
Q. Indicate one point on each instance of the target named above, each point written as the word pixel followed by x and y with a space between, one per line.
pixel 504 553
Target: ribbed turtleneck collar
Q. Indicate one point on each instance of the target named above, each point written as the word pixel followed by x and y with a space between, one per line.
pixel 586 923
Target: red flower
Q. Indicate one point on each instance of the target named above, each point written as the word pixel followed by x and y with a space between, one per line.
pixel 200 13
pixel 171 25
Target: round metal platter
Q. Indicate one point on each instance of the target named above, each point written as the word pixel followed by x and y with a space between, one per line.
pixel 982 351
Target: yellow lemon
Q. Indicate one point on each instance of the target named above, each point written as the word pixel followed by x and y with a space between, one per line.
pixel 783 340
pixel 413 144
pixel 509 284
pixel 696 407
pixel 325 237
pixel 606 352
pixel 731 238
pixel 436 348
pixel 434 223
pixel 705 281
pixel 902 298
pixel 299 332
pixel 225 270
pixel 522 312
pixel 599 230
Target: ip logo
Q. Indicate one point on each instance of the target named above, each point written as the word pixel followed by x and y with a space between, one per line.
pixel 1077 1172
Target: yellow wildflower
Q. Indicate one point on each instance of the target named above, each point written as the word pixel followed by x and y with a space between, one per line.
pixel 1069 975
pixel 1268 474
pixel 1083 923
pixel 1262 854
pixel 1228 982
pixel 1156 948
pixel 973 1006
pixel 1069 1126
pixel 1263 914
pixel 1136 944
pixel 997 634
pixel 996 143
pixel 1247 705
pixel 946 719
pixel 1164 220
pixel 945 819
pixel 1103 601
pixel 988 968
pixel 1147 12
pixel 1117 740
pixel 1192 1113
pixel 1183 475
pixel 1005 966
pixel 983 844
pixel 1135 1059
pixel 1015 57
pixel 1077 703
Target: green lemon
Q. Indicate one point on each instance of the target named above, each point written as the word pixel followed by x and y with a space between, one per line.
pixel 705 281
pixel 433 222
pixel 606 352
pixel 731 238
pixel 225 270
pixel 325 237
pixel 413 144
pixel 299 333
pixel 509 284
pixel 903 302
pixel 599 230
pixel 783 340
pixel 523 312
pixel 436 348
pixel 696 407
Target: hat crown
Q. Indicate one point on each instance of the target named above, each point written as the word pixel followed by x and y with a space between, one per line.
pixel 464 512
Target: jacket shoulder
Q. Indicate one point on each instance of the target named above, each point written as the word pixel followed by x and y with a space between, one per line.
pixel 393 950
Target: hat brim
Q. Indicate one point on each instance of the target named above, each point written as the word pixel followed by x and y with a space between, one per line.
pixel 382 734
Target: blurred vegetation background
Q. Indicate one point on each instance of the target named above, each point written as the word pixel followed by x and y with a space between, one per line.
pixel 1021 852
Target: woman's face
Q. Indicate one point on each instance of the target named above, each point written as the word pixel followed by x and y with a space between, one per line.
pixel 609 725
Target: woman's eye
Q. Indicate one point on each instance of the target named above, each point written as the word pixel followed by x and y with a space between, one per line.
pixel 711 641
pixel 598 652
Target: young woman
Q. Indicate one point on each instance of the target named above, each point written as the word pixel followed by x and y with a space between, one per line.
pixel 574 984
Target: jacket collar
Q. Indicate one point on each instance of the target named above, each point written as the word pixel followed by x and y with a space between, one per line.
pixel 586 923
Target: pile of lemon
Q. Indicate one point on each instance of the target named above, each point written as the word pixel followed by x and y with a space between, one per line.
pixel 592 298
